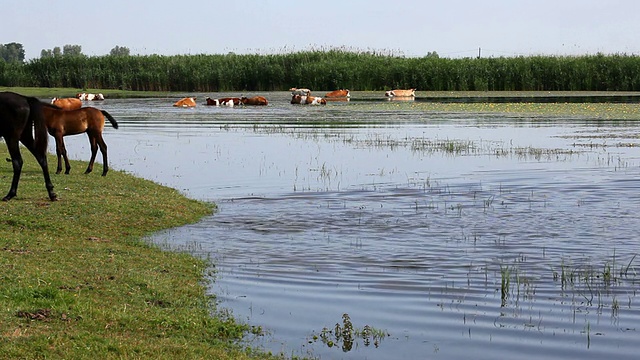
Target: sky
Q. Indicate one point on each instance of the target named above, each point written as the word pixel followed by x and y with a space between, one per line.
pixel 452 28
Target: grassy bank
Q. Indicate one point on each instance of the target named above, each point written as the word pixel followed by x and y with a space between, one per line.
pixel 78 282
pixel 43 92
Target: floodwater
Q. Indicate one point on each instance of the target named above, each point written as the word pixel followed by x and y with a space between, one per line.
pixel 379 230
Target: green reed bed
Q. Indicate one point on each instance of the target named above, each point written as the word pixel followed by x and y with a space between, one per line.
pixel 78 280
pixel 327 69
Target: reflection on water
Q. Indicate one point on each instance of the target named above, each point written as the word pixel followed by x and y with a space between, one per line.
pixel 451 235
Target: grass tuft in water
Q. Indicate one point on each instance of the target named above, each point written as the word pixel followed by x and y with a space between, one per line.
pixel 345 336
pixel 505 275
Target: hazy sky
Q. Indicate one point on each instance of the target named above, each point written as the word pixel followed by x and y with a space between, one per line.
pixel 452 28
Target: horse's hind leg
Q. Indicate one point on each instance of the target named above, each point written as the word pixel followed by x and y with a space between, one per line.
pixel 103 150
pixel 16 160
pixel 39 151
pixel 94 152
pixel 36 142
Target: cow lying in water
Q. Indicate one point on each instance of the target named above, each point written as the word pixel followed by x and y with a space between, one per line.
pixel 301 92
pixel 400 93
pixel 308 100
pixel 89 97
pixel 342 93
pixel 228 101
pixel 256 100
pixel 186 102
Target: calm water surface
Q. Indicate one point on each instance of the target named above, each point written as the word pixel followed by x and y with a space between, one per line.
pixel 448 235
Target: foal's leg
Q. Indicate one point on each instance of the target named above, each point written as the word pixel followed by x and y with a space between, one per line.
pixel 94 151
pixel 61 152
pixel 103 150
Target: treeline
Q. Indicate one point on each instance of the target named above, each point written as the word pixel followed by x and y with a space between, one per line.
pixel 327 70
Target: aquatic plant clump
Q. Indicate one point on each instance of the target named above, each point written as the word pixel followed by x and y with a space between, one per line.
pixel 344 336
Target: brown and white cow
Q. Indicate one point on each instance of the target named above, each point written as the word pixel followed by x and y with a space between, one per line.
pixel 227 101
pixel 301 92
pixel 400 93
pixel 67 103
pixel 89 97
pixel 342 93
pixel 298 99
pixel 186 102
pixel 255 100
pixel 308 100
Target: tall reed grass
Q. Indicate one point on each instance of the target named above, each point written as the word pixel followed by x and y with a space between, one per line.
pixel 328 69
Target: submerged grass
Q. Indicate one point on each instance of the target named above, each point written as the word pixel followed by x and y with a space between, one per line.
pixel 596 111
pixel 77 280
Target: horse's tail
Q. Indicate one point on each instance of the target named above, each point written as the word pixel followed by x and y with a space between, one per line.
pixel 36 117
pixel 113 121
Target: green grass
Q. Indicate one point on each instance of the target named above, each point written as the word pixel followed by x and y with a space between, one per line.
pixel 77 280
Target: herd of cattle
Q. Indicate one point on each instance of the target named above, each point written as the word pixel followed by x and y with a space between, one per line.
pixel 298 96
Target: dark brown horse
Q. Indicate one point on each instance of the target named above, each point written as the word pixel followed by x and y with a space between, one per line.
pixel 21 118
pixel 88 120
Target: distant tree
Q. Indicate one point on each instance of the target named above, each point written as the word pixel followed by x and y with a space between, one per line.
pixel 72 50
pixel 48 53
pixel 119 51
pixel 433 54
pixel 12 52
